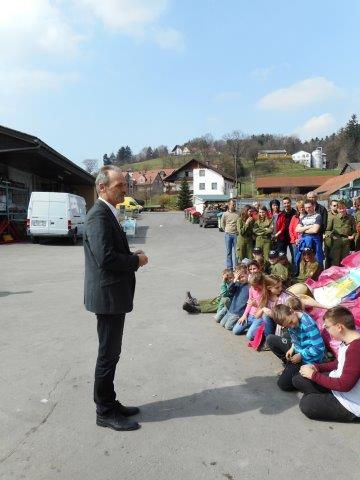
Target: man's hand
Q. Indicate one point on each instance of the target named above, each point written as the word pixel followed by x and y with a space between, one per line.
pixel 296 358
pixel 307 371
pixel 143 259
pixel 138 252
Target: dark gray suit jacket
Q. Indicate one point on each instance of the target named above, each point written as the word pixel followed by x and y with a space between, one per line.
pixel 109 265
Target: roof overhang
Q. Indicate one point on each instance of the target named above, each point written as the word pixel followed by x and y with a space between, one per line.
pixel 30 154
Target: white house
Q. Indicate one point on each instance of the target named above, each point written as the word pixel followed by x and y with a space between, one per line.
pixel 315 159
pixel 210 182
pixel 302 157
pixel 178 150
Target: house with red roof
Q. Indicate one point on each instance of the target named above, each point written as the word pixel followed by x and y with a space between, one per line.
pixel 145 184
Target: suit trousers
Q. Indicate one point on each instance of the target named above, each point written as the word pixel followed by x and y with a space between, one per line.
pixel 110 332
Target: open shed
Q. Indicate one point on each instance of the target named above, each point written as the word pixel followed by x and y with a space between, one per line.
pixel 28 164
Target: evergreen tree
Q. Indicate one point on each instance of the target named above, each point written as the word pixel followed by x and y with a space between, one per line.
pixel 112 159
pixel 106 160
pixel 184 197
pixel 120 156
pixel 149 153
pixel 127 154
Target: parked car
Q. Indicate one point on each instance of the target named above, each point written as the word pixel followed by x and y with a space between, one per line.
pixel 208 219
pixel 130 204
pixel 55 214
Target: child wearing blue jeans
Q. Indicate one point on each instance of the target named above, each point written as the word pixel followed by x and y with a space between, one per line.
pixel 250 320
pixel 239 289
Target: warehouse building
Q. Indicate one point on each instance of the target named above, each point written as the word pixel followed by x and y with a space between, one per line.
pixel 28 164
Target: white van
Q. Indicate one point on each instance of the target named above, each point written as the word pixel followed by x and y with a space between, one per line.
pixel 54 214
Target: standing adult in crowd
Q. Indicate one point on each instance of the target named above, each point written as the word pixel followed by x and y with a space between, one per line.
pixel 245 242
pixel 288 212
pixel 278 220
pixel 295 236
pixel 229 225
pixel 341 230
pixel 357 223
pixel 320 209
pixel 110 269
pixel 263 230
pixel 327 237
pixel 309 227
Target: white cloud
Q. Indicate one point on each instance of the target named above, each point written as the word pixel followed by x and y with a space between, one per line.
pixel 169 39
pixel 125 14
pixel 307 92
pixel 317 126
pixel 35 27
pixel 134 17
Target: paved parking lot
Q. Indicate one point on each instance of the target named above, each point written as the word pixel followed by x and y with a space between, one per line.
pixel 210 405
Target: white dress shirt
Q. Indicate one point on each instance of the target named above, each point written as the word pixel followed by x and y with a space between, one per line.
pixel 112 208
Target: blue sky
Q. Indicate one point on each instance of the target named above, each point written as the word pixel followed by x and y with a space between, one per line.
pixel 87 76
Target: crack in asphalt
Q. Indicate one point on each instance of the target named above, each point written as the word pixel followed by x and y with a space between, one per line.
pixel 34 429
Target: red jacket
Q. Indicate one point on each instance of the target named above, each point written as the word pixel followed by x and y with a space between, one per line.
pixel 280 226
pixel 293 223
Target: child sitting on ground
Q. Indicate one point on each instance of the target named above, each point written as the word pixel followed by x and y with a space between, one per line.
pixel 258 297
pixel 276 296
pixel 239 290
pixel 192 305
pixel 309 267
pixel 254 267
pixel 283 260
pixel 307 345
pixel 334 397
pixel 258 256
pixel 276 267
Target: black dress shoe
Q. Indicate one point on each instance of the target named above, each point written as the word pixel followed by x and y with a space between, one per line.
pixel 127 411
pixel 116 421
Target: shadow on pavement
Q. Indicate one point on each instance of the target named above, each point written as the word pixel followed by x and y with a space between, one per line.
pixel 5 294
pixel 258 393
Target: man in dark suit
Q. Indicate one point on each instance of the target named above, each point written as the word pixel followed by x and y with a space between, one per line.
pixel 110 269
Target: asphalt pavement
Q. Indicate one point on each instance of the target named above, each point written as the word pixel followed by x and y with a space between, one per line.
pixel 210 407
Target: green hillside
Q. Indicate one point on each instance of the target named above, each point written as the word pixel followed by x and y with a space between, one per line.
pixel 263 167
pixel 155 163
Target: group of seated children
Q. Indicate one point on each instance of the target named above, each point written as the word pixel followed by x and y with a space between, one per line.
pixel 251 301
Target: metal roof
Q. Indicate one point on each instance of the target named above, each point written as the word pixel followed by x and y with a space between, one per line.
pixel 30 154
